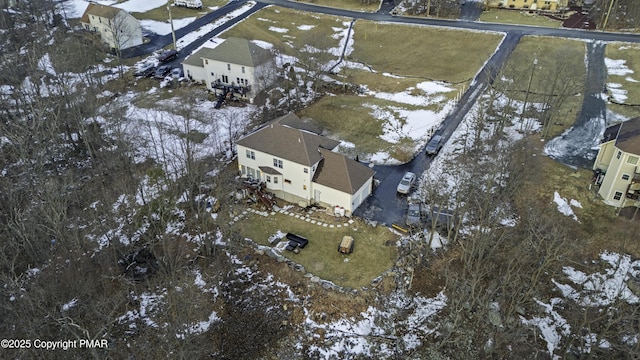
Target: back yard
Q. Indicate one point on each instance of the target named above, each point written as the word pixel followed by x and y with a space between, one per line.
pixel 374 251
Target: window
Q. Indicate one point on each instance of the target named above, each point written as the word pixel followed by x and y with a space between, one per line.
pixel 625 176
pixel 306 170
pixel 277 163
pixel 225 79
pixel 206 62
pixel 304 187
pixel 243 69
pixel 275 179
pixel 251 155
pixel 617 196
pixel 212 74
pixel 244 170
pixel 633 160
pixel 268 178
pixel 228 66
pixel 619 154
pixel 287 181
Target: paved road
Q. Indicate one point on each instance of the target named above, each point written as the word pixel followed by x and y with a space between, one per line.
pixel 160 41
pixel 575 147
pixel 385 205
pixel 468 25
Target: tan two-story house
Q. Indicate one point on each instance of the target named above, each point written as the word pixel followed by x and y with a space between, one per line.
pixel 234 64
pixel 617 164
pixel 301 167
pixel 116 27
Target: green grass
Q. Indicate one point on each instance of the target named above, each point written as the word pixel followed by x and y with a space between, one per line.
pixel 356 5
pixel 630 53
pixel 598 228
pixel 423 52
pixel 504 16
pixel 350 118
pixel 374 250
pixel 553 56
pixel 257 27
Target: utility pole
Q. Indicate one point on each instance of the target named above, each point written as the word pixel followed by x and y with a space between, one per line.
pixel 173 33
pixel 526 97
pixel 606 18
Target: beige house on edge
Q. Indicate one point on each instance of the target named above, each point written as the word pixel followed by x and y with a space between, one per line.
pixel 116 27
pixel 300 166
pixel 617 164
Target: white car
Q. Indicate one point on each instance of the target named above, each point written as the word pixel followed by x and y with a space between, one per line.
pixel 406 183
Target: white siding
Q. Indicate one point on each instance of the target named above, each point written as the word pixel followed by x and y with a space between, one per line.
pixel 331 197
pixel 293 181
pixel 197 72
pixel 123 29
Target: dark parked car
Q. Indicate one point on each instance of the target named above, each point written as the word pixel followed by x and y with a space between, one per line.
pixel 434 145
pixel 161 72
pixel 413 215
pixel 168 56
pixel 444 218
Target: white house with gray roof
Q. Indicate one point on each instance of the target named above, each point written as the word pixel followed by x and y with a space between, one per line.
pixel 233 64
pixel 116 27
pixel 300 166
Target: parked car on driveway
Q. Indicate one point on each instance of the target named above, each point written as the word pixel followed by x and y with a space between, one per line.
pixel 413 215
pixel 404 187
pixel 440 217
pixel 145 70
pixel 434 145
pixel 176 73
pixel 168 56
pixel 161 72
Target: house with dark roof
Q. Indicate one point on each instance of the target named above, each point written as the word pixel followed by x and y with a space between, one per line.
pixel 236 64
pixel 301 167
pixel 617 164
pixel 116 27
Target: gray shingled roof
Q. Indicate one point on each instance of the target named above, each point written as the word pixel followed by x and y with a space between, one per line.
pixel 102 11
pixel 628 139
pixel 294 121
pixel 341 173
pixel 237 51
pixel 288 143
pixel 195 59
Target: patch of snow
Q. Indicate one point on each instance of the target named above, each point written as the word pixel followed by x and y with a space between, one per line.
pixel 617 67
pixel 70 304
pixel 199 327
pixel 164 27
pixel 552 327
pixel 602 289
pixel 278 29
pixel 563 206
